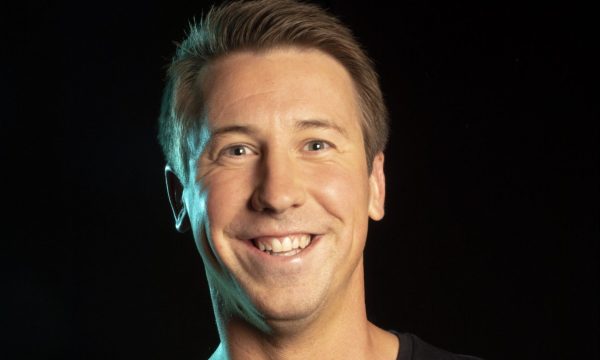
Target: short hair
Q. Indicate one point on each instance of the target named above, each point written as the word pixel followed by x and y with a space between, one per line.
pixel 258 26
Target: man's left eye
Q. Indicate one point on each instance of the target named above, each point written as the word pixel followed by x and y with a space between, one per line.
pixel 316 145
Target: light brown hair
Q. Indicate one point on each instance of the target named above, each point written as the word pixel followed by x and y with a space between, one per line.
pixel 261 25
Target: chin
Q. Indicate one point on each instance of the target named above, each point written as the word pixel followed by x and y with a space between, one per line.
pixel 286 309
pixel 292 310
pixel 288 320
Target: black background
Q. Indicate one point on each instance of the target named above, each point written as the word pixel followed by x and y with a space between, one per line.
pixel 489 244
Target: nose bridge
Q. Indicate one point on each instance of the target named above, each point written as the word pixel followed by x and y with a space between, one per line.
pixel 280 186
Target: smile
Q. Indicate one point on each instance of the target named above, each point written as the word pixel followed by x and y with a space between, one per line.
pixel 283 246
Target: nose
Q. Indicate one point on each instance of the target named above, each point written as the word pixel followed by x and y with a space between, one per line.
pixel 279 187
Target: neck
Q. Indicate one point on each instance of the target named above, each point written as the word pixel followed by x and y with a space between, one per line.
pixel 339 329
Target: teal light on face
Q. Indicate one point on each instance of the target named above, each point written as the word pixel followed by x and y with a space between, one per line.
pixel 197 141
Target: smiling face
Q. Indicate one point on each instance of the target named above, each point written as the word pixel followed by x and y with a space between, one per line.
pixel 280 195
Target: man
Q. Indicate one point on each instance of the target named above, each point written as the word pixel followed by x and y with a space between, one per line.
pixel 273 127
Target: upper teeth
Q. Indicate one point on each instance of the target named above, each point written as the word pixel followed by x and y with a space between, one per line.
pixel 282 244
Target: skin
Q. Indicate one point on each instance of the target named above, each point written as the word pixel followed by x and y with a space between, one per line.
pixel 283 154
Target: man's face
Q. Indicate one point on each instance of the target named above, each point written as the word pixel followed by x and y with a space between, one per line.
pixel 284 169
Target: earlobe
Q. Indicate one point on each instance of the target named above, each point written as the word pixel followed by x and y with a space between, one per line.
pixel 175 193
pixel 377 189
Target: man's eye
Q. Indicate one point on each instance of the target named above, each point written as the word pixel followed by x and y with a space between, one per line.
pixel 316 145
pixel 237 151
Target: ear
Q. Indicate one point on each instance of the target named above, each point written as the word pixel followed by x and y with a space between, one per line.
pixel 377 189
pixel 175 192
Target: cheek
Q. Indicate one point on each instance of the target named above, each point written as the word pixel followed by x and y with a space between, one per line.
pixel 196 202
pixel 343 192
pixel 216 206
pixel 227 196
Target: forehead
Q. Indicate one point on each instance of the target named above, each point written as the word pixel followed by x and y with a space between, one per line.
pixel 283 83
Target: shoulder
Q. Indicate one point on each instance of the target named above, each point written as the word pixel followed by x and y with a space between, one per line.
pixel 413 348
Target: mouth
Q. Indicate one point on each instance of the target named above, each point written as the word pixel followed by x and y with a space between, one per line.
pixel 288 245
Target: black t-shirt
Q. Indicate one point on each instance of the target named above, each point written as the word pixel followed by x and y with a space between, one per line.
pixel 413 348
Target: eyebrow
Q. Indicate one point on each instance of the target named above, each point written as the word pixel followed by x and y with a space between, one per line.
pixel 320 124
pixel 242 129
pixel 299 125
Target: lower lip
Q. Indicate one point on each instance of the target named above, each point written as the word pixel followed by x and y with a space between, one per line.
pixel 292 258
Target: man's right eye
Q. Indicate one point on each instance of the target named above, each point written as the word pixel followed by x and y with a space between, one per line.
pixel 237 151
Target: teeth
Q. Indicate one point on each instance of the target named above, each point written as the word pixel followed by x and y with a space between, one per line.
pixel 286 244
pixel 289 245
pixel 304 242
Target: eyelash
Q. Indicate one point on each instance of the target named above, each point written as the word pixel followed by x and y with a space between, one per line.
pixel 248 151
pixel 325 145
pixel 227 151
